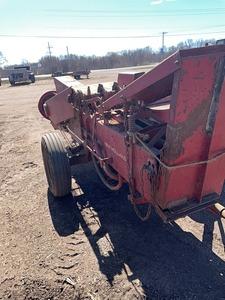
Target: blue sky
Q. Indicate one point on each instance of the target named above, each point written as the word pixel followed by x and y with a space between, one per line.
pixel 182 19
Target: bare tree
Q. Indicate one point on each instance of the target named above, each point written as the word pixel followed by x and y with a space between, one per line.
pixel 123 58
pixel 2 59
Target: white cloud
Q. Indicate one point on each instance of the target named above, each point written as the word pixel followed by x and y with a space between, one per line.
pixel 157 2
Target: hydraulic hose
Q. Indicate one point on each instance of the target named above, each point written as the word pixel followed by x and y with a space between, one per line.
pixel 117 177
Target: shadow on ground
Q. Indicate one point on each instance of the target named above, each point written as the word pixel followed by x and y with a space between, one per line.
pixel 19 84
pixel 169 262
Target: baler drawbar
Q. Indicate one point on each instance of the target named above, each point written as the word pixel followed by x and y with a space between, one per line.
pixel 161 132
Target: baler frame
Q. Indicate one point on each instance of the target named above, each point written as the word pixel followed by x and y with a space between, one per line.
pixel 155 133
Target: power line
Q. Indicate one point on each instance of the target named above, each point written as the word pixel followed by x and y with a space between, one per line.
pixel 108 13
pixel 106 37
pixel 127 10
pixel 133 13
pixel 145 15
pixel 196 33
pixel 75 37
pixel 185 28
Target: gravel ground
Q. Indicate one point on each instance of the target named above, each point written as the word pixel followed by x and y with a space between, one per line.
pixel 90 245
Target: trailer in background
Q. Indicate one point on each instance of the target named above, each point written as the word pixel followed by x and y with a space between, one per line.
pixel 78 74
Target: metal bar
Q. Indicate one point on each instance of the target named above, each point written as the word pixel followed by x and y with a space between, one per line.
pixel 216 96
pixel 169 215
pixel 165 68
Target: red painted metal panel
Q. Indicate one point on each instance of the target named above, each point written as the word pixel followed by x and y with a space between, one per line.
pixel 59 85
pixel 187 139
pixel 167 67
pixel 59 109
pixel 113 143
pixel 126 78
pixel 215 170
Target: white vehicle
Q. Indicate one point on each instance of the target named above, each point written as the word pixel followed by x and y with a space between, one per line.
pixel 21 74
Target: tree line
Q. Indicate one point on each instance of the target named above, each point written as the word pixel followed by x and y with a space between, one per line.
pixel 125 58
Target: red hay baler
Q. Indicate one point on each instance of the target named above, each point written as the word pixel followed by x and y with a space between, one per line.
pixel 162 132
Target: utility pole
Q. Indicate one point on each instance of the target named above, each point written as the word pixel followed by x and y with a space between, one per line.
pixel 68 59
pixel 49 50
pixel 50 55
pixel 163 41
pixel 67 51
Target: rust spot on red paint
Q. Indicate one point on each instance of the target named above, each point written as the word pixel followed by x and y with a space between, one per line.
pixel 177 134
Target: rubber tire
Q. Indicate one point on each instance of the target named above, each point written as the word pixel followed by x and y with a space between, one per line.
pixel 56 163
pixel 32 79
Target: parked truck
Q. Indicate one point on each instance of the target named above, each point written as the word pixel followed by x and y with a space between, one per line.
pixel 21 74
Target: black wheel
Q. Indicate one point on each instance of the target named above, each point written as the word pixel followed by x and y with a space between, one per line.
pixel 32 79
pixel 12 82
pixel 56 163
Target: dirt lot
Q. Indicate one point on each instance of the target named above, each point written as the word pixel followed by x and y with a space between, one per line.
pixel 93 239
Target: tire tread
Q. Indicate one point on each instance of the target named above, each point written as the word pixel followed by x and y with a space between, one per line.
pixel 54 154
